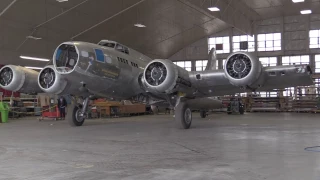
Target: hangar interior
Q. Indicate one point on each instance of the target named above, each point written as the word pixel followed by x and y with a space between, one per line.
pixel 260 144
pixel 285 40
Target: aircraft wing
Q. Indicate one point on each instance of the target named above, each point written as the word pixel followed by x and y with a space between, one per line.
pixel 19 79
pixel 242 72
pixel 217 83
pixel 86 69
pixel 114 71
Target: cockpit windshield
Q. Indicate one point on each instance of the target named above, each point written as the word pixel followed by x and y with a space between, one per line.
pixel 107 44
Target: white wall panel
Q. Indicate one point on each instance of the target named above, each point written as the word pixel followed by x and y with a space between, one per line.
pixel 272 21
pixel 295 45
pixel 295 37
pixel 295 27
pixel 268 29
pixel 315 25
pixel 196 51
pixel 295 19
pixel 314 17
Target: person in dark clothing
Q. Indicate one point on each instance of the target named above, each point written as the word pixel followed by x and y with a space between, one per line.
pixel 62 104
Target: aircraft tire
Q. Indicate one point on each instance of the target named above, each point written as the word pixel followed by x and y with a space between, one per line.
pixel 229 110
pixel 203 114
pixel 183 116
pixel 241 110
pixel 73 118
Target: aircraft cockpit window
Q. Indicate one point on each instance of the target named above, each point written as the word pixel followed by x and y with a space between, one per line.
pixel 122 49
pixel 126 50
pixel 107 44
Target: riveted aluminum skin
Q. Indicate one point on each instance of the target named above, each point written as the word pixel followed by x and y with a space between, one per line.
pixel 254 75
pixel 59 84
pixel 24 80
pixel 110 78
pixel 171 81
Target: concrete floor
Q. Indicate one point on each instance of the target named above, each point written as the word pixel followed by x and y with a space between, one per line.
pixel 221 147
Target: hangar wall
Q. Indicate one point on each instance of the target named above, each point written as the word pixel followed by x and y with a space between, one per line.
pixel 195 51
pixel 294 31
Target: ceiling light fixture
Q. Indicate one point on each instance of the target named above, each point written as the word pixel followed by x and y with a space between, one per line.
pixel 140 25
pixel 213 6
pixel 213 9
pixel 297 1
pixel 34 58
pixel 62 0
pixel 306 11
pixel 30 67
pixel 34 38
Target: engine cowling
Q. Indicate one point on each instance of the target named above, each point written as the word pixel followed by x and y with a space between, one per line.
pixel 162 76
pixel 50 81
pixel 19 79
pixel 244 70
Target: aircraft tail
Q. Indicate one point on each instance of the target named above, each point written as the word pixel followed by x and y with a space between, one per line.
pixel 212 60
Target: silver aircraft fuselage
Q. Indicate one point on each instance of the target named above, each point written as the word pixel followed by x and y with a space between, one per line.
pixel 111 72
pixel 114 75
pixel 109 69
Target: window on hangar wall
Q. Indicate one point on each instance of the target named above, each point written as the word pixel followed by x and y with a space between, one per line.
pixel 317 63
pixel 314 36
pixel 184 64
pixel 268 94
pixel 201 65
pixel 243 94
pixel 317 70
pixel 317 85
pixel 290 60
pixel 288 91
pixel 268 61
pixel 269 42
pixel 302 91
pixel 243 43
pixel 263 94
pixel 221 44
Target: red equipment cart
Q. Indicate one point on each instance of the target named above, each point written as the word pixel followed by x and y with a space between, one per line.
pixel 46 113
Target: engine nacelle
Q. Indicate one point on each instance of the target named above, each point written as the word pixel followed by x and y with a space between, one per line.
pixel 19 79
pixel 50 81
pixel 162 76
pixel 244 70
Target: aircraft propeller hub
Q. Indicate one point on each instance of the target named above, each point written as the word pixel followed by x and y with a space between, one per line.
pixel 50 81
pixel 6 76
pixel 156 73
pixel 239 66
pixel 47 78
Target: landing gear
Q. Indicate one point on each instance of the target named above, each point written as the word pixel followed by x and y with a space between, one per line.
pixel 235 106
pixel 183 116
pixel 241 110
pixel 203 114
pixel 229 110
pixel 77 118
pixel 78 113
pixel 155 109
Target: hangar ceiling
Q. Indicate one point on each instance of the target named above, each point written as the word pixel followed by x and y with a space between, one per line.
pixel 171 24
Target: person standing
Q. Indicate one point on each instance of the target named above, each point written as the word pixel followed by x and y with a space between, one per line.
pixel 62 104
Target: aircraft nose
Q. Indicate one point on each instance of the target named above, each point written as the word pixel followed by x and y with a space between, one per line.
pixel 66 57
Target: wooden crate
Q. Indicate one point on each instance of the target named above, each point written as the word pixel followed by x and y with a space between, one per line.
pixel 114 109
pixel 132 109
